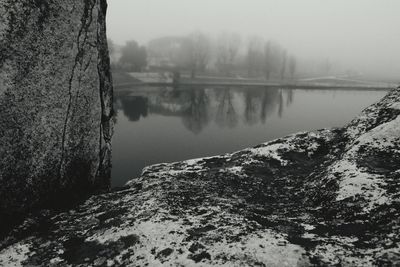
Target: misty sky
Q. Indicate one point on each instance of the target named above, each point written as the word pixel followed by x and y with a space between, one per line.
pixel 363 34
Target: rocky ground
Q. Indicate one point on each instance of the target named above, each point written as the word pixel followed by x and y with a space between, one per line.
pixel 329 197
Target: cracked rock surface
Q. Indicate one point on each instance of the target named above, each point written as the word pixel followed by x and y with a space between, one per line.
pixel 55 103
pixel 329 197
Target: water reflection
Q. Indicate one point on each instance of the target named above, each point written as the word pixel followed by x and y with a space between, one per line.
pixel 197 114
pixel 134 107
pixel 226 115
pixel 163 124
pixel 198 107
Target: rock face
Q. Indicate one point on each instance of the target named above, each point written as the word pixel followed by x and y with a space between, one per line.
pixel 55 102
pixel 329 197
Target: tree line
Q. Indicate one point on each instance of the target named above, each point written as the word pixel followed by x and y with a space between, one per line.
pixel 226 55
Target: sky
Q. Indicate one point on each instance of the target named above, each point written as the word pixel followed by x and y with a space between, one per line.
pixel 361 34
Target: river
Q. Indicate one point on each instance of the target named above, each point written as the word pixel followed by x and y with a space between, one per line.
pixel 155 125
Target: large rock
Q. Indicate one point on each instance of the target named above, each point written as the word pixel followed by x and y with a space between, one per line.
pixel 329 197
pixel 55 102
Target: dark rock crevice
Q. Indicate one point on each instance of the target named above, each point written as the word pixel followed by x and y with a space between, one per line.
pixel 86 21
pixel 105 93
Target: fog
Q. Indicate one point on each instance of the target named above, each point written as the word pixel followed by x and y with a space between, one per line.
pixel 362 35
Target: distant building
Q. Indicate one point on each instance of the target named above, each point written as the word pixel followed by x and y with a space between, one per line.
pixel 163 53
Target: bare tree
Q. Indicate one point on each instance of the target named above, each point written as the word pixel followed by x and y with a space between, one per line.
pixel 292 66
pixel 196 52
pixel 254 56
pixel 227 50
pixel 268 60
pixel 283 66
pixel 272 59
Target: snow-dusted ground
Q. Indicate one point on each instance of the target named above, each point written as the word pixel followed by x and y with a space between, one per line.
pixel 329 197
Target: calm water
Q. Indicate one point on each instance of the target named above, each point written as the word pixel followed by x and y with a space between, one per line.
pixel 164 125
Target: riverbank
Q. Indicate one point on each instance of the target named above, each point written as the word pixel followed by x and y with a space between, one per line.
pixel 313 198
pixel 129 80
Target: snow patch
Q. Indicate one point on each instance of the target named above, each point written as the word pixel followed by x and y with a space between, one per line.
pixel 271 151
pixel 383 136
pixel 289 144
pixel 333 255
pixel 356 182
pixel 395 105
pixel 237 170
pixel 111 234
pixel 275 251
pixel 14 255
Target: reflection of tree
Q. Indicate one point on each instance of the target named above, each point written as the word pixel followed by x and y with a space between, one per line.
pixel 252 104
pixel 196 117
pixel 226 114
pixel 134 107
pixel 290 97
pixel 268 102
pixel 280 109
pixel 193 105
pixel 259 103
pixel 168 102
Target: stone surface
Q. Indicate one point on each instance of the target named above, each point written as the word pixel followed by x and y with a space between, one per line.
pixel 55 103
pixel 329 197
